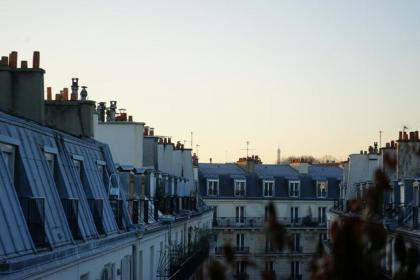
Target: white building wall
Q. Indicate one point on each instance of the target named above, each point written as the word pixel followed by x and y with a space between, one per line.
pixel 125 140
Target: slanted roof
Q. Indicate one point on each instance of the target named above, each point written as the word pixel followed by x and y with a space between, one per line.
pixel 325 172
pixel 269 171
pixel 213 170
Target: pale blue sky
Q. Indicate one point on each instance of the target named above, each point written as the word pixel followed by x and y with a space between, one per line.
pixel 314 77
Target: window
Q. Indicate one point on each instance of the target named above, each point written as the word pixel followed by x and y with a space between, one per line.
pixel 240 214
pixel 295 270
pixel 269 266
pixel 296 243
pixel 240 242
pixel 152 263
pixel 321 189
pixel 240 269
pixel 268 188
pixel 268 245
pixel 78 166
pixel 294 215
pixel 240 187
pixel 322 236
pixel 50 161
pixel 294 188
pixel 322 218
pixel 141 265
pixel 8 152
pixel 212 187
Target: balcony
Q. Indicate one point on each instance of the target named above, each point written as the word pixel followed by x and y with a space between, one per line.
pixel 238 250
pixel 259 222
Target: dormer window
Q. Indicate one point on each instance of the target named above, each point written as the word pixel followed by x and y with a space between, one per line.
pixel 8 152
pixel 321 189
pixel 212 187
pixel 268 188
pixel 240 186
pixel 294 188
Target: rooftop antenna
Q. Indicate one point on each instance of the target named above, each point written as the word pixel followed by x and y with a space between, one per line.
pixel 247 149
pixel 192 146
pixel 380 139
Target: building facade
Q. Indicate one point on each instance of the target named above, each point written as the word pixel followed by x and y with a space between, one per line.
pixel 241 192
pixel 67 210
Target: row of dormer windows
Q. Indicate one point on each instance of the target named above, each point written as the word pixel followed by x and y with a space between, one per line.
pixel 268 188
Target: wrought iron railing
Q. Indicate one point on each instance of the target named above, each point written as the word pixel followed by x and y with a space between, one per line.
pixel 238 250
pixel 257 222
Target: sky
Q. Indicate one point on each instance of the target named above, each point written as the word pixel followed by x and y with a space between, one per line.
pixel 311 77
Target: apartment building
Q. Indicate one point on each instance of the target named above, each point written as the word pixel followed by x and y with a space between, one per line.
pixel 240 193
pixel 68 211
pixel 399 160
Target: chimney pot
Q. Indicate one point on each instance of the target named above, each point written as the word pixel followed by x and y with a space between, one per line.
pixel 35 60
pixel 400 135
pixel 65 94
pixel 13 59
pixel 392 144
pixel 57 97
pixel 146 131
pixel 152 131
pixel 49 93
pixel 4 61
pixel 416 135
pixel 405 135
pixel 130 118
pixel 24 64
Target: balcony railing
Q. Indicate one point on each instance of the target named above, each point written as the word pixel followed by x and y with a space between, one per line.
pixel 238 250
pixel 258 222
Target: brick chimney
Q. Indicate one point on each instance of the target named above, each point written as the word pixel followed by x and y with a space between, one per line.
pixel 22 89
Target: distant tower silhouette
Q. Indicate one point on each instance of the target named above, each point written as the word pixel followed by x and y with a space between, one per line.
pixel 278 155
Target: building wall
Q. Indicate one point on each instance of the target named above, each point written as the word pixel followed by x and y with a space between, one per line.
pixel 125 140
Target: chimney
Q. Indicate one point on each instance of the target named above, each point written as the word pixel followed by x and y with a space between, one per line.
pixel 66 94
pixel 74 88
pixel 146 131
pixel 49 93
pixel 411 135
pixel 35 60
pixel 152 131
pixel 22 89
pixel 392 144
pixel 74 117
pixel 416 135
pixel 400 135
pixel 4 61
pixel 211 160
pixel 13 56
pixel 405 136
pixel 130 118
pixel 24 64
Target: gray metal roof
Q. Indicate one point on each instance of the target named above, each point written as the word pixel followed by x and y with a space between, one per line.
pixel 34 179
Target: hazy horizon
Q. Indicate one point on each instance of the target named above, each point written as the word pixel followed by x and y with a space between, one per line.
pixel 311 78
